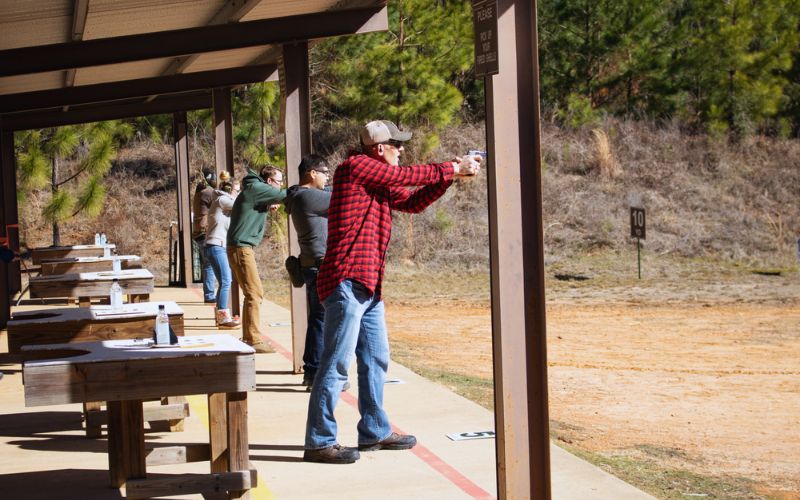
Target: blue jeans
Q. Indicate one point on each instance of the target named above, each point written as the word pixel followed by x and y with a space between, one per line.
pixel 206 273
pixel 217 257
pixel 354 323
pixel 316 317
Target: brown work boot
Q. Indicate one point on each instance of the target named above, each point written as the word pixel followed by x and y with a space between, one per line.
pixel 260 346
pixel 336 454
pixel 395 441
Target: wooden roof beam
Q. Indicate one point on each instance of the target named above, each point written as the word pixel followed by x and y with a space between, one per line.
pixel 62 56
pixel 108 111
pixel 104 92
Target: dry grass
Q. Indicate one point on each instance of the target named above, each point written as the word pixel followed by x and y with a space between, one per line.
pixel 704 199
pixel 607 167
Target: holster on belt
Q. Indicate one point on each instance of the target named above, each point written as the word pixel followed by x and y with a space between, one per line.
pixel 310 261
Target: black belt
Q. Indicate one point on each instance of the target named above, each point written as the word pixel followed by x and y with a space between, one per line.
pixel 309 263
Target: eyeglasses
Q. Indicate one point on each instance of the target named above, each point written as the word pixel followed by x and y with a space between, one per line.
pixel 393 142
pixel 322 171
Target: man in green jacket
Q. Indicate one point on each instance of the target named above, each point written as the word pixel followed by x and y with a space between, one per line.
pixel 260 194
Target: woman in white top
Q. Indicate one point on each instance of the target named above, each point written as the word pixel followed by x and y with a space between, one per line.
pixel 219 219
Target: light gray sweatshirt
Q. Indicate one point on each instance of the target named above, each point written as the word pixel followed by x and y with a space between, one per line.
pixel 219 218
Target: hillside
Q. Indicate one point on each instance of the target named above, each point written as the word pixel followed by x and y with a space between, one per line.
pixel 704 198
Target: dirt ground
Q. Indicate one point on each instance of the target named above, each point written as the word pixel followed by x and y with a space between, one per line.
pixel 704 378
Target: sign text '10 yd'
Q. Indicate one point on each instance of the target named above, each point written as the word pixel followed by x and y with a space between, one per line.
pixel 638 223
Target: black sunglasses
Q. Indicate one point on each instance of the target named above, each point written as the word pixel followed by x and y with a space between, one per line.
pixel 393 142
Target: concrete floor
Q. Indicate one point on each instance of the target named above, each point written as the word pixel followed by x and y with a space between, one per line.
pixel 44 454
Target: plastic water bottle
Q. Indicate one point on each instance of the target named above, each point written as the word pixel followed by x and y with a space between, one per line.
pixel 102 238
pixel 96 238
pixel 161 333
pixel 116 295
pixel 116 265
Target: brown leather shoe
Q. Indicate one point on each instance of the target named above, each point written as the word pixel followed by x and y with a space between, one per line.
pixel 395 441
pixel 336 454
pixel 261 347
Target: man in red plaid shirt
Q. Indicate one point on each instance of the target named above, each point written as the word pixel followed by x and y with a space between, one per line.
pixel 366 188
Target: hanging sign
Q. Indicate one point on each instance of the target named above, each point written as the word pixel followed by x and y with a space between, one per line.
pixel 484 18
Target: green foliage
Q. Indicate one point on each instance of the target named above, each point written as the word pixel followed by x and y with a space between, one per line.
pixel 92 197
pixel 33 168
pixel 726 67
pixel 408 74
pixel 101 153
pixel 259 156
pixel 118 132
pixel 751 43
pixel 579 112
pixel 256 110
pixel 601 50
pixel 59 208
pixel 63 142
pixel 78 156
pixel 442 220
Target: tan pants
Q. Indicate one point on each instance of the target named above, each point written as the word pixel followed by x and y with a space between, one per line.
pixel 243 264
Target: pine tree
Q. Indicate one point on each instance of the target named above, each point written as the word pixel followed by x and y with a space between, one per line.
pixel 730 61
pixel 601 51
pixel 407 74
pixel 256 111
pixel 67 155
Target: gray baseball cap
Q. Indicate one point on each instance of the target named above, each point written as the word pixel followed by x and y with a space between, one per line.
pixel 378 131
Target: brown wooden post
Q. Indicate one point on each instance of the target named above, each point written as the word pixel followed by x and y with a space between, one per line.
pixel 297 137
pixel 517 265
pixel 223 146
pixel 180 137
pixel 10 217
pixel 7 191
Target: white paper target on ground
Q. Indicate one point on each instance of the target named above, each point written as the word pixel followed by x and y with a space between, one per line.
pixel 464 436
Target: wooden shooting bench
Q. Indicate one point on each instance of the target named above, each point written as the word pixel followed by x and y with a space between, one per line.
pixel 124 373
pixel 63 325
pixel 69 265
pixel 69 251
pixel 136 283
pixel 99 322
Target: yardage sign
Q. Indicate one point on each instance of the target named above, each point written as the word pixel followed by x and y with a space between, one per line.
pixel 638 223
pixel 484 18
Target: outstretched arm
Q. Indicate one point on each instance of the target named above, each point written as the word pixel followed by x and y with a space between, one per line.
pixel 373 173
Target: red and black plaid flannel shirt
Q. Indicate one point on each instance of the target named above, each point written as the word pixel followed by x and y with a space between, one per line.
pixel 365 191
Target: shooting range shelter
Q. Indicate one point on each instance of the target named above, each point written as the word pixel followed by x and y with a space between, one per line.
pixel 80 61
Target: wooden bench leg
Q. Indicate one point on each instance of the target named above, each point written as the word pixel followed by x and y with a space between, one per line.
pixel 135 298
pixel 177 424
pixel 218 432
pixel 90 420
pixel 126 455
pixel 238 440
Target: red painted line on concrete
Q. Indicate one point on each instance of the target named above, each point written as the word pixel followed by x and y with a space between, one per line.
pixel 423 453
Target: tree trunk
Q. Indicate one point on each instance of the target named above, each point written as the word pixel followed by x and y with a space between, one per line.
pixel 263 131
pixel 54 191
